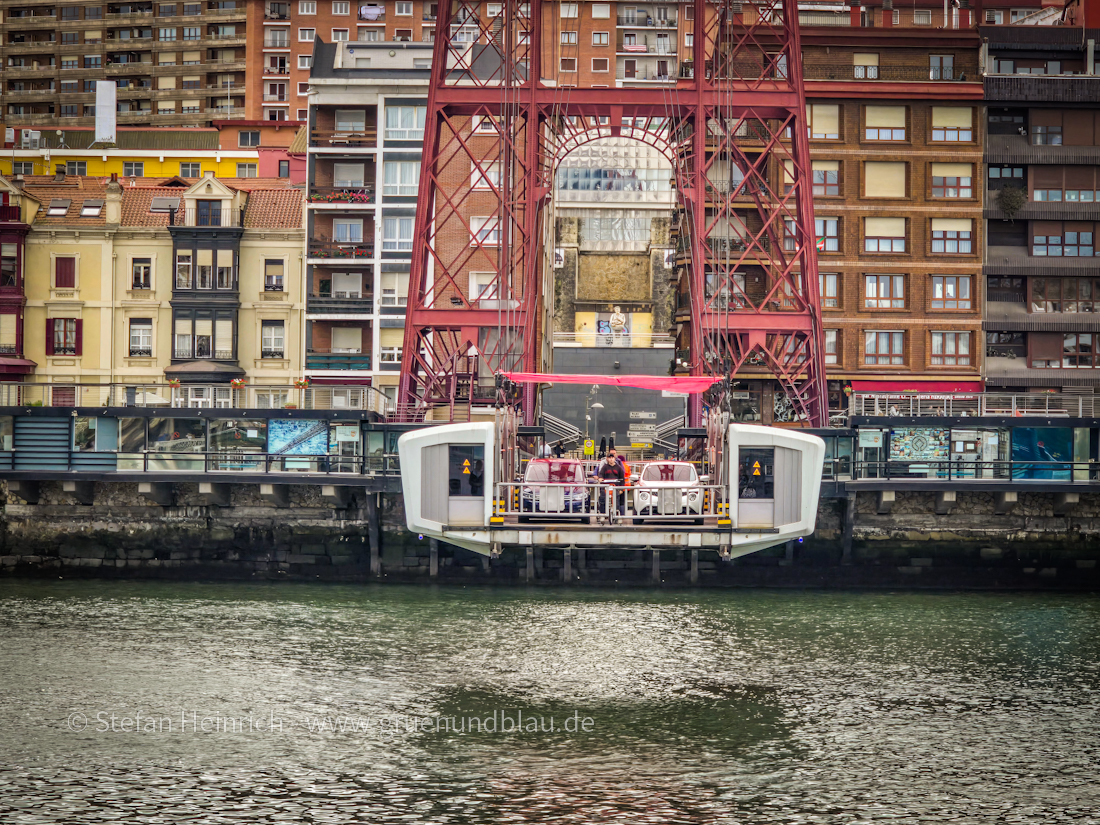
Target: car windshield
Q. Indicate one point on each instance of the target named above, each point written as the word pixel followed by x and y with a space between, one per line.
pixel 555 472
pixel 669 472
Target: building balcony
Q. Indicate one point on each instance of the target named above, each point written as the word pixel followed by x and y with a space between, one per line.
pixel 367 14
pixel 342 194
pixel 322 247
pixel 340 303
pixel 1044 210
pixel 368 138
pixel 1018 149
pixel 30 46
pixel 277 71
pixel 12 72
pixel 328 360
pixel 887 74
pixel 1045 88
pixel 1015 261
pixel 643 75
pixel 11 214
pixel 203 218
pixel 631 49
pixel 1002 316
pixel 644 22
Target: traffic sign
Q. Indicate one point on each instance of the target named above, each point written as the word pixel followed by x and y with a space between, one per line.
pixel 589 447
pixel 643 414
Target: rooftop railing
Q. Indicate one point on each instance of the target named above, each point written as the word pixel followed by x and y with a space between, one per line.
pixel 909 405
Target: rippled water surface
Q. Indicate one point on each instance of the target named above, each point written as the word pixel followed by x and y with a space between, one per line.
pixel 318 704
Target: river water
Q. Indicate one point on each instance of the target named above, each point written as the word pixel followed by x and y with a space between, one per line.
pixel 211 703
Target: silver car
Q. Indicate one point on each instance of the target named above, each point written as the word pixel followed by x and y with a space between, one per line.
pixel 668 488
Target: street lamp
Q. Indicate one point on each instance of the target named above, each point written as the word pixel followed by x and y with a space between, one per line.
pixel 596 424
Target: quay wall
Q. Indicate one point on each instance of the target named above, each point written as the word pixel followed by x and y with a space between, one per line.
pixel 1042 541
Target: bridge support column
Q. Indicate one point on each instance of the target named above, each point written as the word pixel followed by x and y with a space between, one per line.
pixel 1066 503
pixel 277 494
pixel 567 565
pixel 158 492
pixel 1005 503
pixel 886 499
pixel 338 497
pixel 582 563
pixel 946 502
pixel 215 495
pixel 694 575
pixel 656 572
pixel 82 491
pixel 849 529
pixel 28 491
pixel 374 534
pixel 530 573
pixel 788 553
pixel 433 558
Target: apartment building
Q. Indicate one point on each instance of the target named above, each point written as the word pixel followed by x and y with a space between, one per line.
pixel 1043 205
pixel 366 125
pixel 234 148
pixel 196 284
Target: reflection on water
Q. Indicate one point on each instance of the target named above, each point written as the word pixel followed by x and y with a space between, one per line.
pixel 293 703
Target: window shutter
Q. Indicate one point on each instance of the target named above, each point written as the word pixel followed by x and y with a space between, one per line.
pixel 952 116
pixel 79 323
pixel 951 225
pixel 885 117
pixel 864 59
pixel 223 335
pixel 1045 345
pixel 1045 117
pixel 826 119
pixel 884 227
pixel 1046 177
pixel 825 165
pixel 884 180
pixel 49 336
pixel 64 273
pixel 952 170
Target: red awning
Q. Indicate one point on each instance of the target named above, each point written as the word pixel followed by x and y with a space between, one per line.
pixel 678 383
pixel 917 386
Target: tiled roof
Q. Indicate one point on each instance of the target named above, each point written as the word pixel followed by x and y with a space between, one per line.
pixel 136 202
pixel 76 190
pixel 274 209
pixel 137 138
pixel 300 144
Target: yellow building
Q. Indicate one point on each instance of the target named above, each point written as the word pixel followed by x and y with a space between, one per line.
pixel 196 284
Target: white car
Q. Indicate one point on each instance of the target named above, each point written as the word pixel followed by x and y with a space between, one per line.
pixel 668 488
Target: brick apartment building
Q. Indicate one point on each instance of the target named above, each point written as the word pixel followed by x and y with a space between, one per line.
pixel 1043 208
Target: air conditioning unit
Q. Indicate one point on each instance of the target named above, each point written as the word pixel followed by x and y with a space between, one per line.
pixel 31 139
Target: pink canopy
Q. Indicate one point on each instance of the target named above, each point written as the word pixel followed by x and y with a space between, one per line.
pixel 680 383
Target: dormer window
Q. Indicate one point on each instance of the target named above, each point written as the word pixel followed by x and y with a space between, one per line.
pixel 58 208
pixel 164 205
pixel 208 213
pixel 91 209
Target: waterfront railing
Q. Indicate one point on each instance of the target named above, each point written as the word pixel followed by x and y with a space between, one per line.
pixel 908 405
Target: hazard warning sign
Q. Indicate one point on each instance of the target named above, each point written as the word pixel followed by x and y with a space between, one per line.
pixel 756 468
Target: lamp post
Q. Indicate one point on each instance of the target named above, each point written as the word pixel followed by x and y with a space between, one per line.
pixel 596 407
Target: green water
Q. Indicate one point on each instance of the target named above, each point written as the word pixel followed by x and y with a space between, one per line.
pixel 317 704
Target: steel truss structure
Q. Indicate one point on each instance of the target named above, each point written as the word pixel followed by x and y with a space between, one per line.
pixel 499 119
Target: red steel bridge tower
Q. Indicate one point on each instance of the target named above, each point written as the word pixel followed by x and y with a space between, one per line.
pixel 500 117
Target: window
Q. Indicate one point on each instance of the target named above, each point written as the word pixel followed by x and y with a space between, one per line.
pixel 284 169
pixel 600 64
pixel 950 292
pixel 826 178
pixel 341 7
pixel 273 275
pixel 485 231
pixel 246 170
pixel 827 285
pixel 339 35
pixel 403 9
pixel 950 349
pixel 69 110
pixel 9 265
pixel 1006 172
pixel 183 270
pixel 306 35
pixel 883 180
pixel 865 66
pixel 133 169
pixel 568 9
pixel 1046 135
pixel 22 167
pixel 91 61
pixel 347 175
pixel 192 33
pixel 823 121
pixel 397 234
pixel 941 66
pixel 395 289
pixel 884 292
pixel 689 38
pixel 883 347
pixel 76 167
pixel 1078 350
pixel 351 120
pixel 166 34
pixel 1015 15
pixel 69 37
pixel 601 11
pixel 884 123
pixel 271 336
pixel 952 124
pixel 826 234
pixel 303 88
pixel 599 38
pixel 91 208
pixel 487 176
pixel 63 336
pixel 64 273
pixel 307 6
pixel 368 35
pixel 884 234
pixel 403 35
pixel 142 270
pixel 951 236
pixel 830 346
pixel 348 230
pixel 305 61
pixel 568 64
pixel 190 170
pixel 569 38
pixel 141 337
pixel 494 9
pixel 1073 244
pixel 952 180
pixel 405 122
pixel 248 139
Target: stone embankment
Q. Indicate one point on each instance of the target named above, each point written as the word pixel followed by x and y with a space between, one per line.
pixel 913 539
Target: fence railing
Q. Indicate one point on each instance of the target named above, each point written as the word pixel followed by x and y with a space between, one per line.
pixel 614 504
pixel 238 461
pixel 610 339
pixel 977 470
pixel 974 404
pixel 196 396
